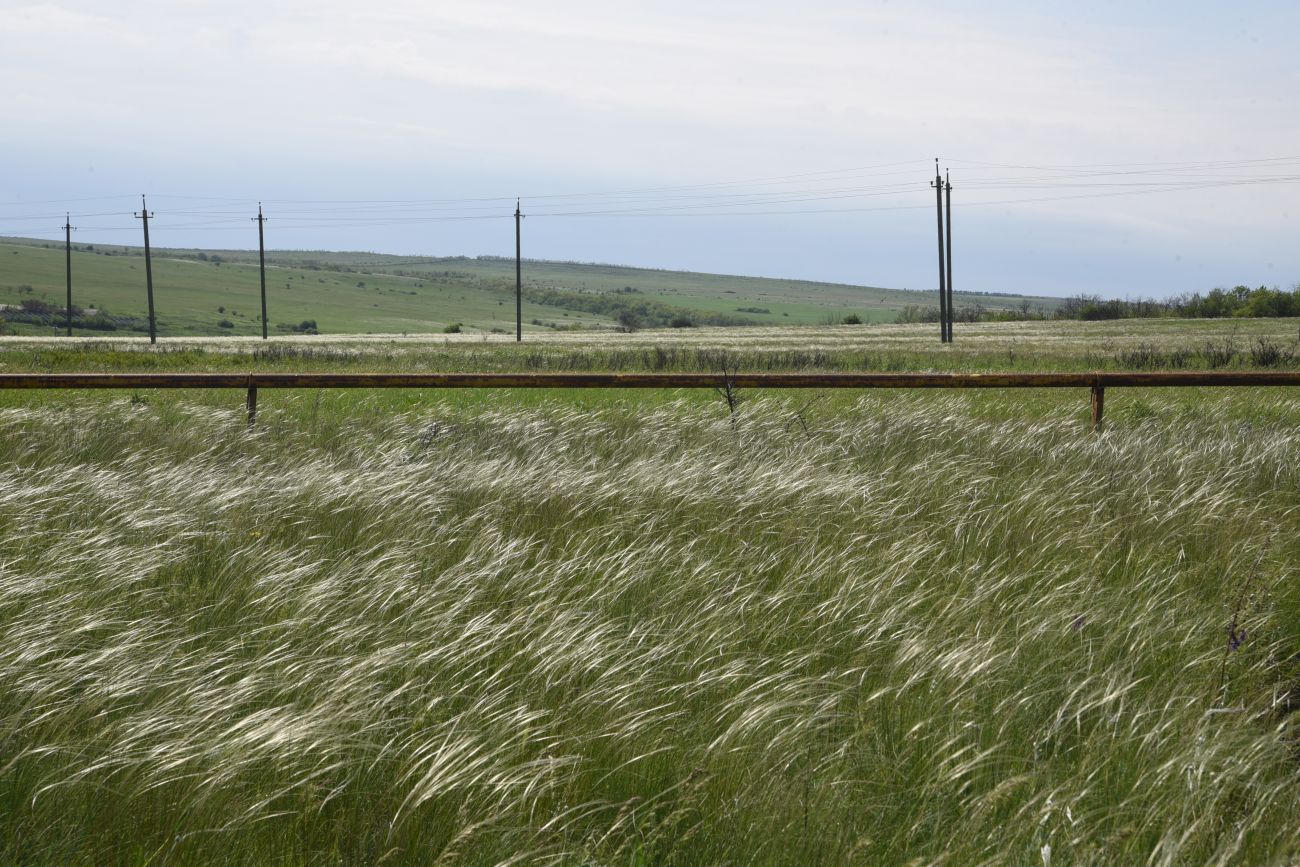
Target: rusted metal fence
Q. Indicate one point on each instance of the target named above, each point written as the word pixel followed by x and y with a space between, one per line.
pixel 1097 383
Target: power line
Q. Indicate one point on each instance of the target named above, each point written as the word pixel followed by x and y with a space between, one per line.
pixel 724 200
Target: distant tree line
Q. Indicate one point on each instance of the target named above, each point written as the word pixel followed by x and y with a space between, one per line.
pixel 1237 302
pixel 630 312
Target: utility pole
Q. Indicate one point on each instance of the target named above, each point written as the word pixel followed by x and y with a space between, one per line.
pixel 947 194
pixel 937 183
pixel 519 279
pixel 261 262
pixel 144 215
pixel 67 253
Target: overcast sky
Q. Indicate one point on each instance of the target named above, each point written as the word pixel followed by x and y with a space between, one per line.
pixel 1123 148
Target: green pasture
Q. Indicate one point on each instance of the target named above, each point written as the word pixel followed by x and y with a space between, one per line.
pixel 360 293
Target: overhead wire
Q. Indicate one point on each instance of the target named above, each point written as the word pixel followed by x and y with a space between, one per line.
pixel 778 195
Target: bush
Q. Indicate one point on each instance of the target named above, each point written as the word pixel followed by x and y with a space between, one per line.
pixel 1219 354
pixel 453 328
pixel 307 326
pixel 101 322
pixel 37 306
pixel 681 322
pixel 1266 353
pixel 852 319
pixel 912 314
pixel 225 323
pixel 1144 355
pixel 628 321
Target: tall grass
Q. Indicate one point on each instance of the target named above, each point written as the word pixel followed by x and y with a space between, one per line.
pixel 642 634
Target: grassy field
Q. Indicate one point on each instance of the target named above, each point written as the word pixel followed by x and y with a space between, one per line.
pixel 608 628
pixel 196 290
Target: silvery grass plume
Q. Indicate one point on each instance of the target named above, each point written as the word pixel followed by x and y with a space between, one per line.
pixel 906 630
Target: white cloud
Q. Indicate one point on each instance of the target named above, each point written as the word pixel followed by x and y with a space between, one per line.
pixel 838 78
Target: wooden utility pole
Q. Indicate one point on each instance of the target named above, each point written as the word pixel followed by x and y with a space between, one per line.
pixel 519 279
pixel 937 183
pixel 947 194
pixel 67 254
pixel 144 215
pixel 261 262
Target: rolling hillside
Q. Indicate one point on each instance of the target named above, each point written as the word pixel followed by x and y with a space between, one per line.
pixel 204 292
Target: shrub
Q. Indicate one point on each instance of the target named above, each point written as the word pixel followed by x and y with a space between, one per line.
pixel 100 322
pixel 1267 353
pixel 453 328
pixel 36 305
pixel 1219 354
pixel 225 323
pixel 1144 355
pixel 914 313
pixel 307 326
pixel 852 319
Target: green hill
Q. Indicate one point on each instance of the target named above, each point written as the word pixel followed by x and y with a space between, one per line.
pixel 204 292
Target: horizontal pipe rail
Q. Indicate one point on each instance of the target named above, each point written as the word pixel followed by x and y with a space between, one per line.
pixel 1097 382
pixel 1117 379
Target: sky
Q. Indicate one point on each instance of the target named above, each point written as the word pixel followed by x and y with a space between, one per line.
pixel 1127 149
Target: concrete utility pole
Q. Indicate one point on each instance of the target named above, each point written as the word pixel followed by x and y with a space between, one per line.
pixel 519 279
pixel 937 183
pixel 67 253
pixel 144 215
pixel 261 262
pixel 947 194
